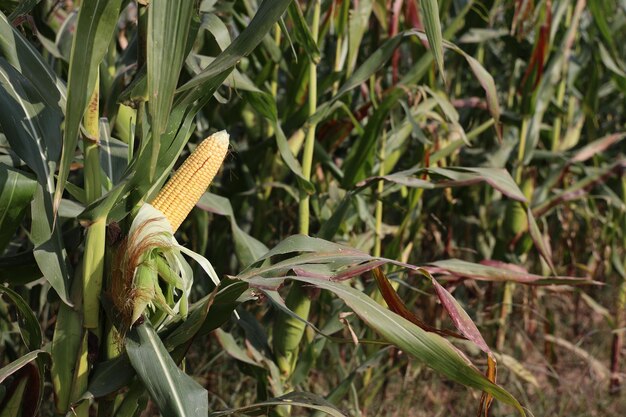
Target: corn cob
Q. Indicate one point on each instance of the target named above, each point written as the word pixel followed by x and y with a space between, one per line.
pixel 185 188
pixel 515 219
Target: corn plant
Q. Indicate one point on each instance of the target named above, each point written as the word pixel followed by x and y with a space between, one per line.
pixel 400 191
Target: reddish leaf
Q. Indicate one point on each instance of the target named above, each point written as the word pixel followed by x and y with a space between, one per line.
pixel 596 147
pixel 498 272
pixel 536 63
pixel 459 317
pixel 393 31
pixel 413 15
pixel 466 326
pixel 396 304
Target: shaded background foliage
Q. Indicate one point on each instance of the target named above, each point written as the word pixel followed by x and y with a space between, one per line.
pixel 423 108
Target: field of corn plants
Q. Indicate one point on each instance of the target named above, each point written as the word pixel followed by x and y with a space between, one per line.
pixel 312 207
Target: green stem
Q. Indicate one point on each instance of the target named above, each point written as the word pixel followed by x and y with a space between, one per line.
pixel 522 149
pixel 507 301
pixel 288 331
pixel 337 66
pixel 91 141
pixel 509 287
pixel 309 143
pixel 560 95
pixel 274 81
pixel 93 259
pixel 379 202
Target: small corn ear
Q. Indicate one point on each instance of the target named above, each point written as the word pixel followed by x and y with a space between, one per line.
pixel 143 288
pixel 515 220
pixel 184 189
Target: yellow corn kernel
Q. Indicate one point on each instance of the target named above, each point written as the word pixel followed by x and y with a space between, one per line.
pixel 184 189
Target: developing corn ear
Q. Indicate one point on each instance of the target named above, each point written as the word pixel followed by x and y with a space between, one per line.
pixel 184 190
pixel 151 251
pixel 515 218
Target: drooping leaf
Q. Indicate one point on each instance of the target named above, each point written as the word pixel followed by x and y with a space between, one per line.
pixel 517 368
pixel 429 348
pixel 396 304
pixel 24 57
pixel 173 391
pixel 265 104
pixel 229 345
pixel 32 128
pixel 460 318
pixel 30 125
pixel 541 242
pixel 114 374
pixel 499 179
pixel 218 29
pixel 498 272
pixel 265 17
pixel 290 160
pixel 248 249
pixel 596 147
pixel 482 75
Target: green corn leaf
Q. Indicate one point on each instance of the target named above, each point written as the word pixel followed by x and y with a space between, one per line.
pixel 302 32
pixel 496 271
pixel 26 386
pixel 268 13
pixel 29 325
pixel 19 269
pixel 31 127
pixel 168 27
pixel 65 351
pixel 429 348
pixel 33 130
pixel 174 392
pixel 92 37
pixel 24 57
pixel 247 248
pixel 432 26
pixel 16 192
pixel 358 23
